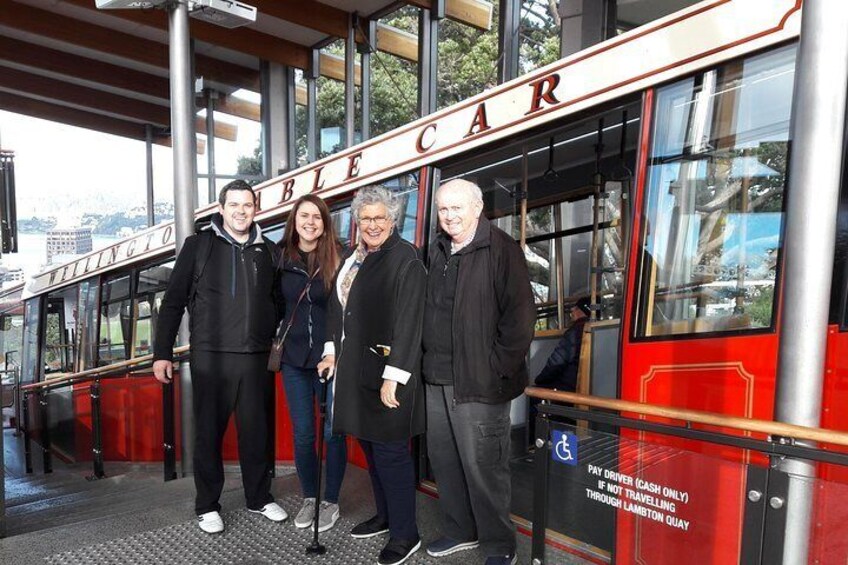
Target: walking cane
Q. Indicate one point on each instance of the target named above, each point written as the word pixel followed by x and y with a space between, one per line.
pixel 316 548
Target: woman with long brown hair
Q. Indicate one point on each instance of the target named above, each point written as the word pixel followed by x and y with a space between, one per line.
pixel 310 257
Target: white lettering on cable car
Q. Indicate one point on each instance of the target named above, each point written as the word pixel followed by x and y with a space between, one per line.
pixel 660 503
pixel 664 49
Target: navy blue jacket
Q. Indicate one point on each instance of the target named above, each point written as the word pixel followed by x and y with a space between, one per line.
pixel 305 341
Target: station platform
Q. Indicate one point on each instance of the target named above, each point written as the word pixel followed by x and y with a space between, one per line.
pixel 133 517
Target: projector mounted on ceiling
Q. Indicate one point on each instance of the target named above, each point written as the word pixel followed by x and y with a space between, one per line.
pixel 224 13
pixel 127 4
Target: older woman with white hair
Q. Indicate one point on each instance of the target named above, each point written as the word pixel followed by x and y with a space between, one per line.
pixel 374 345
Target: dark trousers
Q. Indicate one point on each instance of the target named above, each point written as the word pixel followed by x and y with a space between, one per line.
pixel 468 446
pixel 302 390
pixel 222 383
pixel 393 481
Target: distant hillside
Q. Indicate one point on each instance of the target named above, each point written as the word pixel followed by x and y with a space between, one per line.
pixel 114 224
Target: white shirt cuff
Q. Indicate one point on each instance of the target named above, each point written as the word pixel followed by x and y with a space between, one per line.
pixel 395 374
pixel 329 349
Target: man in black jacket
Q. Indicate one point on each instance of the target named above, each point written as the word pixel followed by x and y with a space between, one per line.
pixel 226 277
pixel 478 325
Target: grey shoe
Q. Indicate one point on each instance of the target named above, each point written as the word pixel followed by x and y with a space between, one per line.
pixel 307 514
pixel 328 516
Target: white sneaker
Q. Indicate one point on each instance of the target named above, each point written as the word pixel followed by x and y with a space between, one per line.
pixel 272 511
pixel 328 516
pixel 211 523
pixel 306 515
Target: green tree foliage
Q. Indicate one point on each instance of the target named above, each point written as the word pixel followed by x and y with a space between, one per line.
pixel 468 64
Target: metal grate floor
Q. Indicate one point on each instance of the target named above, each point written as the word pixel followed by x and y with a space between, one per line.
pixel 249 539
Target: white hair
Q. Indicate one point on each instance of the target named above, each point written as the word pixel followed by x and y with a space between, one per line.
pixel 471 189
pixel 374 194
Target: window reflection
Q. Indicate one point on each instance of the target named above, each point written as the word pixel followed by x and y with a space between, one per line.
pixel 115 321
pixel 60 331
pixel 151 286
pixel 714 198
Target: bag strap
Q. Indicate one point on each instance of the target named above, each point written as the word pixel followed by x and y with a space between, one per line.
pixel 299 300
pixel 201 258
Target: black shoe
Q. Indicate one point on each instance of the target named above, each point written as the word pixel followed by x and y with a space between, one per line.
pixel 397 551
pixel 370 528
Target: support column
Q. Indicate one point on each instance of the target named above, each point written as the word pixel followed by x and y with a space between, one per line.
pixel 369 30
pixel 277 90
pixel 428 56
pixel 818 116
pixel 311 75
pixel 585 23
pixel 148 143
pixel 350 84
pixel 211 98
pixel 185 189
pixel 509 24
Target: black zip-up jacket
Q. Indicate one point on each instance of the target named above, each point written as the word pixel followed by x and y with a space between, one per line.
pixel 236 303
pixel 492 320
pixel 305 340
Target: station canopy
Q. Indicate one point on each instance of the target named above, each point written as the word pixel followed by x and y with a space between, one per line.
pixel 107 70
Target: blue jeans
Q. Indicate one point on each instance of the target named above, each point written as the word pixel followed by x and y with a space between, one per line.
pixel 303 391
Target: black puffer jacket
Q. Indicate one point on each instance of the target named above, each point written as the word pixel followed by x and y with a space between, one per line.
pixel 236 304
pixel 305 340
pixel 493 316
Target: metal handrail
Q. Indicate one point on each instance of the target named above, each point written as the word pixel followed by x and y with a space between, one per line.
pixel 769 427
pixel 107 371
pixel 94 376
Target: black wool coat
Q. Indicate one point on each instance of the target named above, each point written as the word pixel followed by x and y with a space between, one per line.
pixel 385 306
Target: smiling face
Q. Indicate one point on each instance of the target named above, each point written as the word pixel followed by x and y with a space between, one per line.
pixel 458 211
pixel 309 225
pixel 375 226
pixel 238 211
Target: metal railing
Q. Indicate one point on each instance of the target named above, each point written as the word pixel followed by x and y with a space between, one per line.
pixel 41 391
pixel 765 483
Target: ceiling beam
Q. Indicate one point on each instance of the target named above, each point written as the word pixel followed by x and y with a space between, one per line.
pixel 41 58
pixel 98 101
pixel 235 106
pixel 91 70
pixel 333 67
pixel 104 40
pixel 397 42
pixel 307 13
pixel 244 40
pixel 74 117
pixel 476 13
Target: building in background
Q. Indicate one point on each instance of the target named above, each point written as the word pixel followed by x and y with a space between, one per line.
pixel 68 241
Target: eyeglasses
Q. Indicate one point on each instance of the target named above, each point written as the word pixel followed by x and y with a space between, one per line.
pixel 378 220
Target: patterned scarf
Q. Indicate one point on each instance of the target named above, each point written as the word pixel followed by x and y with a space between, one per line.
pixel 347 282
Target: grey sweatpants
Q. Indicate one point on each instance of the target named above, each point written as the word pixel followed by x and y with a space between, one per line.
pixel 468 446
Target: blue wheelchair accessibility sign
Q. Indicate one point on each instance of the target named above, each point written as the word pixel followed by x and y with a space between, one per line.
pixel 564 449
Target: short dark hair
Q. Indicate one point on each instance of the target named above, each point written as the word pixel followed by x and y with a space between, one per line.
pixel 235 185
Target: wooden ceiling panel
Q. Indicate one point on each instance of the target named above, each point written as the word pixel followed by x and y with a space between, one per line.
pixel 48 24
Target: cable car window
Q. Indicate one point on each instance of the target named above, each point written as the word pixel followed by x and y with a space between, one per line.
pixel 151 285
pixel 342 223
pixel 115 321
pixel 714 199
pixel 60 331
pixel 405 187
pixel 570 173
pixel 87 319
pixel 29 366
